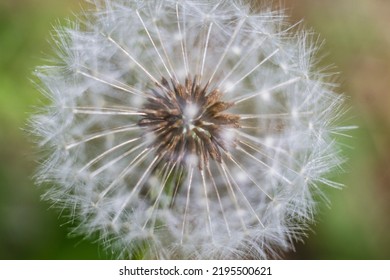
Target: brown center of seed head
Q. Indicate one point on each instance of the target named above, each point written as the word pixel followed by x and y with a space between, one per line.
pixel 188 121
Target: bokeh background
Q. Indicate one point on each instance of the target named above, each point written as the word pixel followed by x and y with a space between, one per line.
pixel 356 226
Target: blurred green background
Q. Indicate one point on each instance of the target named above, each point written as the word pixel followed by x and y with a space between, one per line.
pixel 356 226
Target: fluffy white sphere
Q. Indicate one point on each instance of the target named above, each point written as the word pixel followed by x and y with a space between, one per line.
pixel 187 129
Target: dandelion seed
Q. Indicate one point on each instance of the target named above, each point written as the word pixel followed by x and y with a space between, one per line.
pixel 187 129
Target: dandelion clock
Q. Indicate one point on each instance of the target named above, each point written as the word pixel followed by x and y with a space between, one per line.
pixel 181 129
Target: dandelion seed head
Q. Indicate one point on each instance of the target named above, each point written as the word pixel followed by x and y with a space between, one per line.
pixel 187 129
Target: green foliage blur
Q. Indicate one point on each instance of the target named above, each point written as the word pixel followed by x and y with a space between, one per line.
pixel 355 226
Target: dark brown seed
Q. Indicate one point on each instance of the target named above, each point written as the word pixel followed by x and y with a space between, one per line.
pixel 179 134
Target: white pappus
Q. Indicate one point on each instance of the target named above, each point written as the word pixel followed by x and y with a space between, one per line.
pixel 182 129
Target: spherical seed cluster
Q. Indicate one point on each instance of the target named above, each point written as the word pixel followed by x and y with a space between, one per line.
pixel 187 129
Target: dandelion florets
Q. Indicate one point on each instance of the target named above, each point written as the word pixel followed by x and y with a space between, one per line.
pixel 187 129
